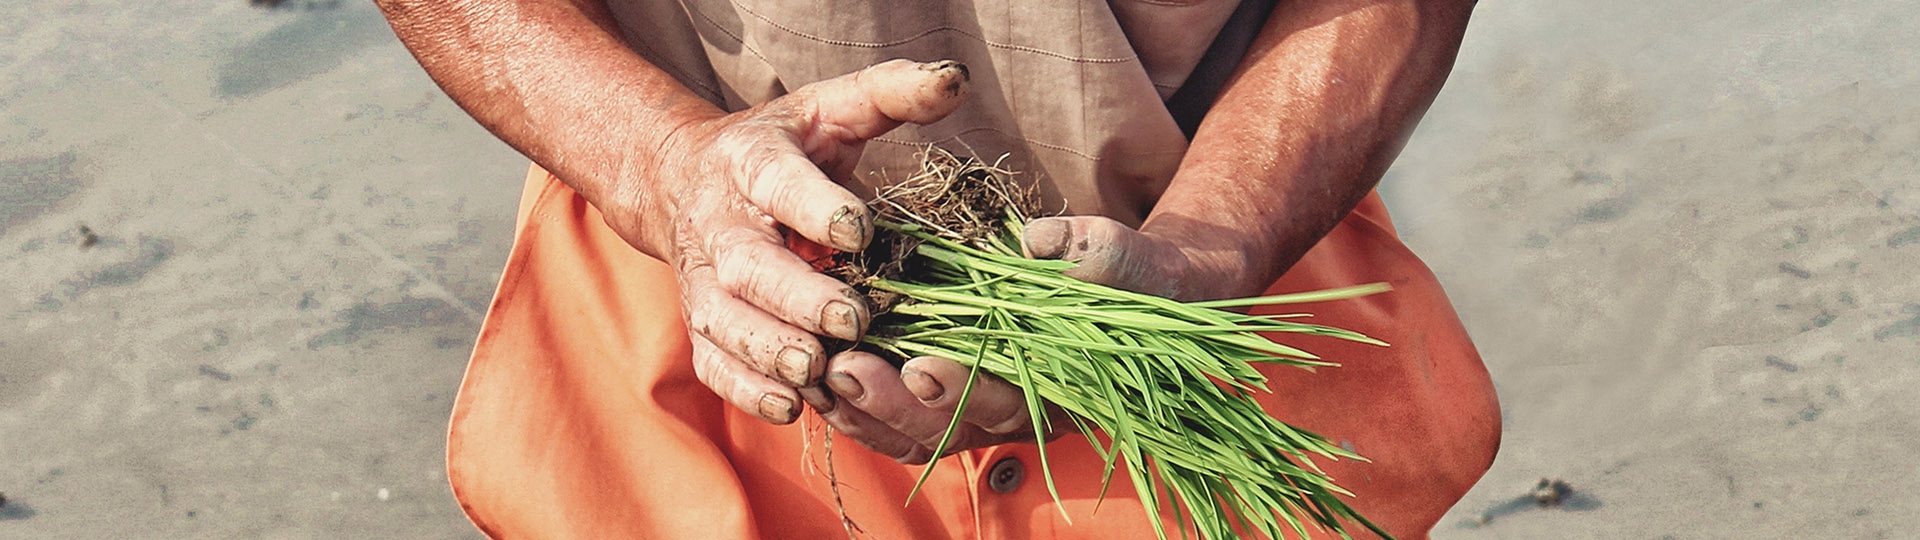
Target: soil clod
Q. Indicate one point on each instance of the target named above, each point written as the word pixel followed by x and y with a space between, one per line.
pixel 87 237
pixel 1550 492
pixel 962 199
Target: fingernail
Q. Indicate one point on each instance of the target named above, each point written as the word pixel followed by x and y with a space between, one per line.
pixel 965 74
pixel 922 385
pixel 821 400
pixel 845 385
pixel 777 408
pixel 796 366
pixel 848 229
pixel 1047 238
pixel 958 85
pixel 838 319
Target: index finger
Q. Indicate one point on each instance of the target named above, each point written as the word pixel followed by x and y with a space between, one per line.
pixel 779 179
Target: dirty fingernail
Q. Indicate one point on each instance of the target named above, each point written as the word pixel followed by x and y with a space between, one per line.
pixel 820 400
pixel 845 385
pixel 838 319
pixel 795 366
pixel 965 74
pixel 777 408
pixel 848 229
pixel 922 385
pixel 1047 238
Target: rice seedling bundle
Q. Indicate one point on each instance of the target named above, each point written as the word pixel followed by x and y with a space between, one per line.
pixel 1161 389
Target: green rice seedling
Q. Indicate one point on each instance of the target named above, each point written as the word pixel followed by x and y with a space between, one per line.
pixel 1161 389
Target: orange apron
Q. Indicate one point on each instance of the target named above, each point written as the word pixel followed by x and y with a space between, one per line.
pixel 580 416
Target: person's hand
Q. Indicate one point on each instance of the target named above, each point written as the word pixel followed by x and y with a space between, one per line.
pixel 903 413
pixel 1113 254
pixel 717 198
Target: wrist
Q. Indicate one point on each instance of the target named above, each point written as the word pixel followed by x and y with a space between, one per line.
pixel 637 192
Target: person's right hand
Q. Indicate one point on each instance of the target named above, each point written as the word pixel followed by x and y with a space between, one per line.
pixel 716 200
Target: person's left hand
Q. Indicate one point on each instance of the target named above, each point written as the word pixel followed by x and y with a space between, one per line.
pixel 903 413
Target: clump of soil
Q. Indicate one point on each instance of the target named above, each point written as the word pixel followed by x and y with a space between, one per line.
pixel 962 199
pixel 1550 492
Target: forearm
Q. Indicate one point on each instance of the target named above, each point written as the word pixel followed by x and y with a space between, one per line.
pixel 553 79
pixel 1311 120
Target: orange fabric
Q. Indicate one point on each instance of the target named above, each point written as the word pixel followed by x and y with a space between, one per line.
pixel 580 416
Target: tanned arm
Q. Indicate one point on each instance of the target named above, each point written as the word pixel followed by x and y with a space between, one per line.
pixel 1313 116
pixel 709 192
pixel 1322 104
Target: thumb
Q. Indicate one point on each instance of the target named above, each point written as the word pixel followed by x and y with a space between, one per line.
pixel 873 101
pixel 1108 253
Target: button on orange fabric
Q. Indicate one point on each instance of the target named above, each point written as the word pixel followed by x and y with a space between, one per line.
pixel 1006 476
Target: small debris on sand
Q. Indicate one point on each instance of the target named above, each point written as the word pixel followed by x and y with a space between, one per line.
pixel 87 237
pixel 211 371
pixel 1550 492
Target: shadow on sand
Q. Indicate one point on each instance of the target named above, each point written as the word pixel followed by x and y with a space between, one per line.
pixel 12 510
pixel 314 42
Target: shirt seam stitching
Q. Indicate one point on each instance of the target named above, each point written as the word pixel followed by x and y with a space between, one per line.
pixel 932 31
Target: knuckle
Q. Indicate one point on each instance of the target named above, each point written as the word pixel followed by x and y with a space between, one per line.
pixel 755 165
pixel 702 313
pixel 1105 228
pixel 740 344
pixel 699 206
pixel 737 276
pixel 691 258
pixel 1172 261
pixel 738 256
pixel 755 280
pixel 735 141
pixel 777 192
pixel 706 368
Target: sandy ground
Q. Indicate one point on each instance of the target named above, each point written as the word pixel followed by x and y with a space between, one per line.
pixel 297 234
pixel 1681 234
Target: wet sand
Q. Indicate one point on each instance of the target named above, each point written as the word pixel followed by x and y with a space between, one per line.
pixel 1681 234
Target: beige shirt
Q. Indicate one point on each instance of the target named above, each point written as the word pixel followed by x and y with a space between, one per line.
pixel 1072 92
